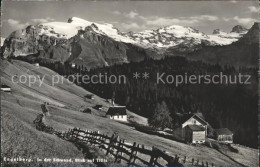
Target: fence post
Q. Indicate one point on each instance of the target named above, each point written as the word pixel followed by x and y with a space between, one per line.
pixel 77 135
pixel 184 159
pixel 136 152
pixel 98 138
pixel 72 134
pixel 118 157
pixel 100 141
pixel 110 144
pixel 123 142
pixel 154 156
pixel 174 161
pixel 88 136
pixel 197 162
pixel 91 137
pixel 67 134
pixel 94 139
pixel 104 141
pixel 85 137
pixel 132 152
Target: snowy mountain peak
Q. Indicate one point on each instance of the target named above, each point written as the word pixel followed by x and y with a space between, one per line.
pixel 76 20
pixel 70 29
pixel 175 35
pixel 160 38
pixel 239 29
pixel 236 33
pixel 218 31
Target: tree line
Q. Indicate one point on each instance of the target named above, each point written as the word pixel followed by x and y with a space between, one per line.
pixel 233 106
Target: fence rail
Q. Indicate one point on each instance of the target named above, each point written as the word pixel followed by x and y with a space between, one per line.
pixel 129 152
pixel 119 148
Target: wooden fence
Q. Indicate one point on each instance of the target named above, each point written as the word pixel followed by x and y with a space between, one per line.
pixel 131 153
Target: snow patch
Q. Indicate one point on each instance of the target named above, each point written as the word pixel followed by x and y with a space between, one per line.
pixel 70 29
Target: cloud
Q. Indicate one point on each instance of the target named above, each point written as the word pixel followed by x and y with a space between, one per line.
pixel 244 21
pixel 226 19
pixel 42 20
pixel 15 24
pixel 253 9
pixel 164 21
pixel 131 14
pixel 129 26
pixel 161 21
pixel 116 12
pixel 207 17
pixel 233 1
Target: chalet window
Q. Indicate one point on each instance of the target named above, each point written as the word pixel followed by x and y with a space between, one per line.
pixel 122 116
pixel 118 116
pixel 194 121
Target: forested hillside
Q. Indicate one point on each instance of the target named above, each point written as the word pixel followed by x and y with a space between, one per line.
pixel 233 106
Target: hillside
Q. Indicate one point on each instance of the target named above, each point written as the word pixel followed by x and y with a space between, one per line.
pixel 21 107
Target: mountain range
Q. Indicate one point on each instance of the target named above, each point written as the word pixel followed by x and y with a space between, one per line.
pixel 91 45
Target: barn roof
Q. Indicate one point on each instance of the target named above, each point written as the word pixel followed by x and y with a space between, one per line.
pixel 223 131
pixel 196 127
pixel 116 110
pixel 88 95
pixel 5 86
pixel 186 117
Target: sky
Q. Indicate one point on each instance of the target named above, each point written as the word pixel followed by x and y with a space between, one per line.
pixel 133 16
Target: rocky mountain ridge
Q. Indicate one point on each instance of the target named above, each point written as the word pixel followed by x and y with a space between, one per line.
pixel 244 52
pixel 174 35
pixel 89 48
pixel 93 45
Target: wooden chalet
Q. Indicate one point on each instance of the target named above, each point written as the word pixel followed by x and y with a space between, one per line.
pixel 194 134
pixel 5 88
pixel 117 113
pixel 191 127
pixel 89 96
pixel 98 107
pixel 223 135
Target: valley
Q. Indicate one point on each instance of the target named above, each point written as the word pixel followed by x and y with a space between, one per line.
pixel 22 105
pixel 37 117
